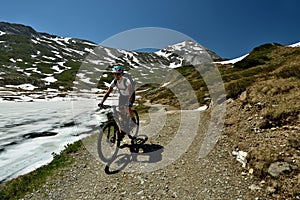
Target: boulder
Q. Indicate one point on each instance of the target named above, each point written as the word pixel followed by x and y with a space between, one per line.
pixel 278 168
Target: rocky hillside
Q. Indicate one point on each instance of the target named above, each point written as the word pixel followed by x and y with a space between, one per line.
pixel 18 29
pixel 263 116
pixel 39 61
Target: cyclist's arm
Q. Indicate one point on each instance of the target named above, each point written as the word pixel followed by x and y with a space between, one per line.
pixel 110 89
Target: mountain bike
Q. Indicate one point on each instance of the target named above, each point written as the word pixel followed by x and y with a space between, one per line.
pixel 113 131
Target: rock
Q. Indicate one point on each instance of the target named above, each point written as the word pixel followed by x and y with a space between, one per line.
pixel 278 168
pixel 243 97
pixel 241 157
pixel 174 195
pixel 251 171
pixel 254 187
pixel 270 190
pixel 140 192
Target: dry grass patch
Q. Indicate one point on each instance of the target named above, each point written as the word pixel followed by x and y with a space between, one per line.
pixel 279 100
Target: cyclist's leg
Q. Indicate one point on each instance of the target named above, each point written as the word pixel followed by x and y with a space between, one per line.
pixel 133 120
pixel 123 109
pixel 131 101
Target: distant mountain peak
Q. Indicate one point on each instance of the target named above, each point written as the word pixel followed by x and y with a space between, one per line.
pixel 191 47
pixel 10 28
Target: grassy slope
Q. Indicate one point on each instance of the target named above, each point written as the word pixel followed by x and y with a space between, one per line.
pixel 267 62
pixel 264 118
pixel 24 51
pixel 264 121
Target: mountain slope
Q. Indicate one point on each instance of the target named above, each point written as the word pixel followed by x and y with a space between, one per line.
pixel 262 117
pixel 19 29
pixel 43 61
pixel 31 57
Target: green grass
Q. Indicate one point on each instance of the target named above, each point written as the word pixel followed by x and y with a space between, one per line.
pixel 262 63
pixel 22 47
pixel 18 187
pixel 259 56
pixel 67 77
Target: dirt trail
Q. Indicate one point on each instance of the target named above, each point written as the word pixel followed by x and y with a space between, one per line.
pixel 216 176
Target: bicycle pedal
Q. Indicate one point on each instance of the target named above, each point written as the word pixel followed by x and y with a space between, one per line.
pixel 132 137
pixel 112 140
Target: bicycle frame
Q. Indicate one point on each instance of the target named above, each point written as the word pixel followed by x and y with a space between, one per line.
pixel 110 134
pixel 121 118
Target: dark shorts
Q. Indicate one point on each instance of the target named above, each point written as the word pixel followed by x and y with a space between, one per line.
pixel 123 100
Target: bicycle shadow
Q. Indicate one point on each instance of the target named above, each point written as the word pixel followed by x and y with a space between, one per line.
pixel 139 152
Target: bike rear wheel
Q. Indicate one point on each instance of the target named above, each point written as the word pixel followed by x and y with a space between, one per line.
pixel 108 141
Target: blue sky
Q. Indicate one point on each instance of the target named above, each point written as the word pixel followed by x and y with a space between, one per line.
pixel 231 28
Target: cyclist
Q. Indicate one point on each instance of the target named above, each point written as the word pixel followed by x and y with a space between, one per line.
pixel 126 90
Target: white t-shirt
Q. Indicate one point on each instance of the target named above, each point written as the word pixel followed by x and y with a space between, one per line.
pixel 122 85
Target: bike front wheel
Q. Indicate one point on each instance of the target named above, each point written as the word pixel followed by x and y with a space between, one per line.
pixel 108 142
pixel 135 122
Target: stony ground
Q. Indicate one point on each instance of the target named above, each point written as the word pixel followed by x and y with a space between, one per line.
pixel 273 153
pixel 216 176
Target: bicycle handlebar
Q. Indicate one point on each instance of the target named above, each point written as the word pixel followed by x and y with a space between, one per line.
pixel 104 106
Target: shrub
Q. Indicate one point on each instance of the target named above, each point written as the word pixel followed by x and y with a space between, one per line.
pixel 291 71
pixel 235 88
pixel 258 56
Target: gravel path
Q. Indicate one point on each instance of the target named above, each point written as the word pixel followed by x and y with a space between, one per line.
pixel 217 176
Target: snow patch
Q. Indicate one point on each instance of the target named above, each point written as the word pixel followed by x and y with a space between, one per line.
pixel 12 60
pixel 165 84
pixel 49 58
pixel 202 108
pixel 22 86
pixel 50 79
pixel 35 42
pixel 295 45
pixel 232 61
